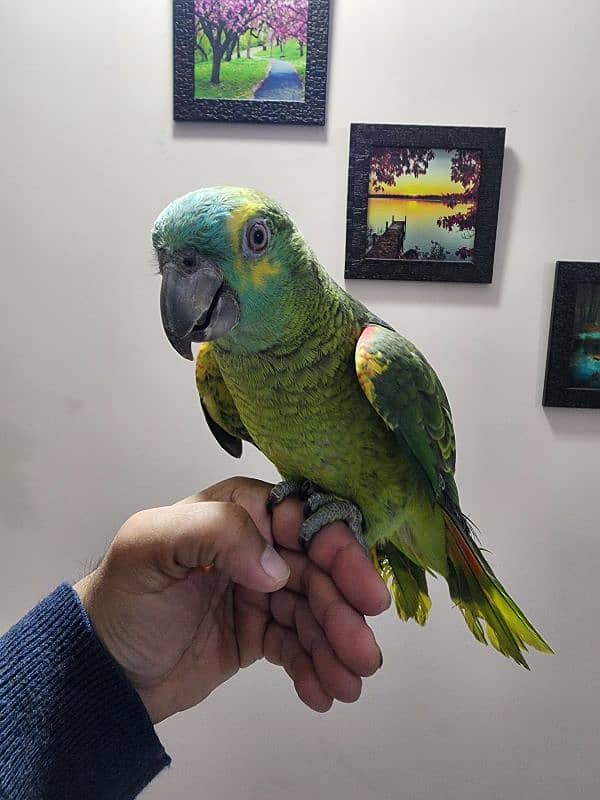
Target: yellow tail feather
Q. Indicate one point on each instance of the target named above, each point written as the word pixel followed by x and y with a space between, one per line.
pixel 480 596
pixel 406 581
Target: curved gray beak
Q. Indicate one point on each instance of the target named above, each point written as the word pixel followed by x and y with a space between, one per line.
pixel 196 307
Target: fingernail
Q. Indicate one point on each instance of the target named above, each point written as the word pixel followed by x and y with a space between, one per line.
pixel 274 565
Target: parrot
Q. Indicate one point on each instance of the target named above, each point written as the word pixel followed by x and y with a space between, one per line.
pixel 349 411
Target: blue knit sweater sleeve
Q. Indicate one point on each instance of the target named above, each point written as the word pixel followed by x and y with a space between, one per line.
pixel 71 725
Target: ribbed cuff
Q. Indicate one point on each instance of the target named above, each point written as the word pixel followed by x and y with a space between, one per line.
pixel 71 724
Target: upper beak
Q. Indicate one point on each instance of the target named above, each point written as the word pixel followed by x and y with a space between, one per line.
pixel 197 306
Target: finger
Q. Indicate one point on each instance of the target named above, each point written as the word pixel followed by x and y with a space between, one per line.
pixel 292 611
pixel 249 493
pixel 282 647
pixel 286 519
pixel 336 551
pixel 345 628
pixel 178 539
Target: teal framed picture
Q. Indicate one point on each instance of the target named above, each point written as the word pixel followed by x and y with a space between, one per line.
pixel 573 362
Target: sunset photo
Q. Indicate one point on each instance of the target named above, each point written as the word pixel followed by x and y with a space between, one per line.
pixel 422 204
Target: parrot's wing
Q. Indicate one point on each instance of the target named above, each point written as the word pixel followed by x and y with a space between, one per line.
pixel 218 406
pixel 407 394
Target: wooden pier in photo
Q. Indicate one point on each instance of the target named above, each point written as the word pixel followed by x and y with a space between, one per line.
pixel 390 243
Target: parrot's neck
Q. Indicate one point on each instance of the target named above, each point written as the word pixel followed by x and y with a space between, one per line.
pixel 307 314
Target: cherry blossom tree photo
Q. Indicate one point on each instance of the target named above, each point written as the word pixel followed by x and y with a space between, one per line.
pixel 251 49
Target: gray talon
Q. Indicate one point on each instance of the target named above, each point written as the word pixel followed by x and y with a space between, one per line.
pixel 308 488
pixel 292 488
pixel 315 501
pixel 323 509
pixel 320 509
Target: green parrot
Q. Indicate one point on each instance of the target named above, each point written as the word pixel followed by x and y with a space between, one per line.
pixel 349 411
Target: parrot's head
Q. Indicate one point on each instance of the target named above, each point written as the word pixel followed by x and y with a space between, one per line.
pixel 231 262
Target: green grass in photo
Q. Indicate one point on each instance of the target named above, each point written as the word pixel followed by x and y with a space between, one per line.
pixel 239 77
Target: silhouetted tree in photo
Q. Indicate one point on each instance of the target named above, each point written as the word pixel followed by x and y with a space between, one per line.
pixel 466 171
pixel 587 307
pixel 389 164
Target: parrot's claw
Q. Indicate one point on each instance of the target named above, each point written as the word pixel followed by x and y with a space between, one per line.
pixel 292 488
pixel 322 509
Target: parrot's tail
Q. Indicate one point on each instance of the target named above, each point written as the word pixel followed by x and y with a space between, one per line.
pixel 406 581
pixel 482 598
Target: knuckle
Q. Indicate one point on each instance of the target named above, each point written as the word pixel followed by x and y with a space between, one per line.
pixel 230 486
pixel 138 526
pixel 237 518
pixel 137 522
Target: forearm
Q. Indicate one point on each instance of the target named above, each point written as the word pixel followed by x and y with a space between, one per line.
pixel 71 725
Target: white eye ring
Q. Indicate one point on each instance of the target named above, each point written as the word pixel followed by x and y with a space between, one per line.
pixel 257 238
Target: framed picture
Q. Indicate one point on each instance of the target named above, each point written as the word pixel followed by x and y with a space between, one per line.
pixel 573 364
pixel 251 61
pixel 423 202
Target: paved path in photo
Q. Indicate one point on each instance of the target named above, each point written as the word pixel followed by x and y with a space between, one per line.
pixel 282 83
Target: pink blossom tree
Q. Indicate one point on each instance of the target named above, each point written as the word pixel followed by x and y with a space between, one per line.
pixel 288 19
pixel 224 21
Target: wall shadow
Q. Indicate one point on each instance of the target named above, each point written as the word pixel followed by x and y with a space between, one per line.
pixel 574 423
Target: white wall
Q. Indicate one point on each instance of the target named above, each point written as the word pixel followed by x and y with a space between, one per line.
pixel 99 416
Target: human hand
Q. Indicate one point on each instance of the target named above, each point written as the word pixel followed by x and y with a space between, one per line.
pixel 188 594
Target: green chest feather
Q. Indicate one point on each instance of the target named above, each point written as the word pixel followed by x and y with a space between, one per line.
pixel 306 412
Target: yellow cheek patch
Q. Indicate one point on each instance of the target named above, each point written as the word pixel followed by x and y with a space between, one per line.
pixel 260 273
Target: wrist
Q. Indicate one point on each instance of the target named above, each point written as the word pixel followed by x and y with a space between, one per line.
pixel 88 591
pixel 83 588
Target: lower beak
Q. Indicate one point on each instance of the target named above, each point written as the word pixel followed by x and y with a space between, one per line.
pixel 197 306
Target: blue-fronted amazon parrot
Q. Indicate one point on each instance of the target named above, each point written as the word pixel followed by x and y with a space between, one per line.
pixel 348 410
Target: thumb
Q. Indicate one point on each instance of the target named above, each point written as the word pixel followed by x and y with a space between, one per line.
pixel 179 539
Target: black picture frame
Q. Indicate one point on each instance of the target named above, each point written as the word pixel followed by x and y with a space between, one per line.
pixel 310 112
pixel 364 138
pixel 558 386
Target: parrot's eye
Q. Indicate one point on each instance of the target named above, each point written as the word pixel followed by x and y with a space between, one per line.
pixel 257 238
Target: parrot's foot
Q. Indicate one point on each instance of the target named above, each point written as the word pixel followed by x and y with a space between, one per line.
pixel 292 488
pixel 320 509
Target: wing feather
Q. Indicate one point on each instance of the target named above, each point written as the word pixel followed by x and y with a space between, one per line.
pixel 217 403
pixel 407 394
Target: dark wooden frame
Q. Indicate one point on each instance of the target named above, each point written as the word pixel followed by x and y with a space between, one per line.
pixel 363 138
pixel 310 112
pixel 557 392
